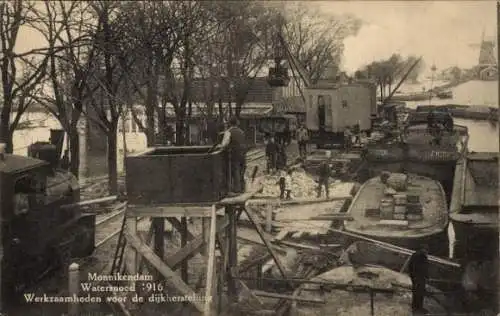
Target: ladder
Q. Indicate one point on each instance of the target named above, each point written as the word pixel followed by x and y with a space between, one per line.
pixel 118 265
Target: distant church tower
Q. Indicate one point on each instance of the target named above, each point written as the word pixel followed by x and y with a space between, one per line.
pixel 487 64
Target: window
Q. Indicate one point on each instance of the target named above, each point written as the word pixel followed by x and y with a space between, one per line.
pixel 344 104
pixel 29 191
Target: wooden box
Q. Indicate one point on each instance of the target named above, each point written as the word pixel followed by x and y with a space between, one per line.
pixel 167 175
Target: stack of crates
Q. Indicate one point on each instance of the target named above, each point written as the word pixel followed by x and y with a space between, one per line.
pixel 413 208
pixel 400 203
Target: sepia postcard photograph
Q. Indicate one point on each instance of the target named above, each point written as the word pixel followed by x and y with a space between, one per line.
pixel 280 158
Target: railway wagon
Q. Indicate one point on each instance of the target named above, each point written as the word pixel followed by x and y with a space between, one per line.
pixel 332 109
pixel 38 235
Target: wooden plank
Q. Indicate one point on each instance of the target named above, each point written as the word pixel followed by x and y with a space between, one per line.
pixel 303 201
pixel 90 202
pixel 320 218
pixel 184 263
pixel 170 211
pixel 211 273
pixel 266 242
pixel 396 248
pixel 157 262
pixel 240 199
pixel 288 297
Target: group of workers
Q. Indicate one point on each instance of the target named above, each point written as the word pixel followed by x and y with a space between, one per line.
pixel 437 124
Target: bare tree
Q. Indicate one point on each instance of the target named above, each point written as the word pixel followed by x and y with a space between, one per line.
pixel 316 40
pixel 243 45
pixel 21 73
pixel 69 68
pixel 106 89
pixel 152 31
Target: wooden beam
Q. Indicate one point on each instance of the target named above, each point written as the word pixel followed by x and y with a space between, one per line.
pixel 211 273
pixel 304 201
pixel 157 262
pixel 395 248
pixel 240 199
pixel 136 257
pixel 191 248
pixel 90 202
pixel 233 253
pixel 170 211
pixel 287 297
pixel 266 242
pixel 184 263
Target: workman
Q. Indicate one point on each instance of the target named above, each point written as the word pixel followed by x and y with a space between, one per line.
pixel 302 139
pixel 448 122
pixel 347 138
pixel 281 158
pixel 235 142
pixel 65 160
pixel 324 175
pixel 418 269
pixel 271 154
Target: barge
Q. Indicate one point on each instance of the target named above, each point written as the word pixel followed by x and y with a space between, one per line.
pixel 474 206
pixel 407 218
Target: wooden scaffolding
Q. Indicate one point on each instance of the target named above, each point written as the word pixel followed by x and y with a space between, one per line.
pixel 218 242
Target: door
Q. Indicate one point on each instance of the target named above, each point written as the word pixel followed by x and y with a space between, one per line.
pixel 312 122
pixel 328 113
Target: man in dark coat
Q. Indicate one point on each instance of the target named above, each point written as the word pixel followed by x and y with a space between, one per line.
pixel 235 142
pixel 65 160
pixel 418 269
pixel 324 176
pixel 271 154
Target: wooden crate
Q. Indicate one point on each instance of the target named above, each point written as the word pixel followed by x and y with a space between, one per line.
pixel 164 175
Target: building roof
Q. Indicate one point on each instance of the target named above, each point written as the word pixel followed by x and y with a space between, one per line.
pixel 293 104
pixel 14 164
pixel 248 110
pixel 259 91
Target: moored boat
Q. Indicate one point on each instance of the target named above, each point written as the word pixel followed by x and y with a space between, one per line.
pixel 474 204
pixel 414 214
pixel 396 258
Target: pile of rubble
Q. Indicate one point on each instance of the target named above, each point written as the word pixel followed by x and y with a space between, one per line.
pixel 303 185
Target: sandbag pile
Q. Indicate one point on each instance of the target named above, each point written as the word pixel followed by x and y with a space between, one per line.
pixel 303 185
pixel 395 181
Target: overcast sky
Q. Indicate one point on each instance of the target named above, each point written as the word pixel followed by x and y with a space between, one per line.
pixel 441 31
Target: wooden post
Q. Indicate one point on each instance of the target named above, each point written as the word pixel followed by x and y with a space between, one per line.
pixel 159 241
pixel 372 304
pixel 184 266
pixel 136 257
pixel 211 266
pixel 73 288
pixel 232 256
pixel 205 230
pixel 269 219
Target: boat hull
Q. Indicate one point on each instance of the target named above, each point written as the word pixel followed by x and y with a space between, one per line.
pixel 374 254
pixel 471 237
pixel 437 243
